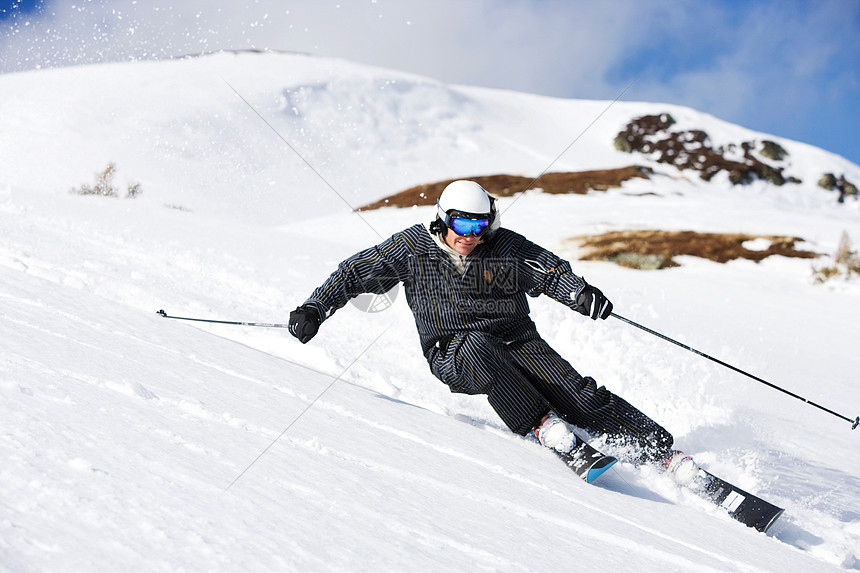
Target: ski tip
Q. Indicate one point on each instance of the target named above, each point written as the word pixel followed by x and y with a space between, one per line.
pixel 596 472
pixel 763 526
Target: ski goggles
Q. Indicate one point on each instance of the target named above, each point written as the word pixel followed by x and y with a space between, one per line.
pixel 465 226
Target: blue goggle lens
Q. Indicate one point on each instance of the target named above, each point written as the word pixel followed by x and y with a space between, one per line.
pixel 463 226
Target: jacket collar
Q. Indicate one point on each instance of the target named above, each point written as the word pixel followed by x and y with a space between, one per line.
pixel 458 260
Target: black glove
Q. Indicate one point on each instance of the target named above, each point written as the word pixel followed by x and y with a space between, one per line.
pixel 591 302
pixel 304 323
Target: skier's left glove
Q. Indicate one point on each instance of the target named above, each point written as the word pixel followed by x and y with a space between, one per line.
pixel 591 302
pixel 304 323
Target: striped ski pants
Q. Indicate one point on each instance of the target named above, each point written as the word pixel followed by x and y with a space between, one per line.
pixel 524 380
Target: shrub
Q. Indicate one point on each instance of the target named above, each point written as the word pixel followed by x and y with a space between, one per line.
pixel 845 264
pixel 104 185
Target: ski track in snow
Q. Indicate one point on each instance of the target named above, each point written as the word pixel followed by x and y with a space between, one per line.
pixel 524 511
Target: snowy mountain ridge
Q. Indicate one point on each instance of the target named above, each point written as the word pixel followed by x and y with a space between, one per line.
pixel 177 126
pixel 132 442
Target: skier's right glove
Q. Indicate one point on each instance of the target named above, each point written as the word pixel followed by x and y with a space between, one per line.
pixel 304 323
pixel 591 302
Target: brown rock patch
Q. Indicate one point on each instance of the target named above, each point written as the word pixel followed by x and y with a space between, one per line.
pixel 650 249
pixel 580 182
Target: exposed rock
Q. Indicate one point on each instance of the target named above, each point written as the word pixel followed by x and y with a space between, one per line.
pixel 772 150
pixel 692 150
pixel 830 182
pixel 827 181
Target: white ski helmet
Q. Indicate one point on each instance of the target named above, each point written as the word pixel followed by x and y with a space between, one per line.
pixel 467 198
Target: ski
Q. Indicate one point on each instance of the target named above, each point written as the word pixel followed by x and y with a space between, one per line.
pixel 589 463
pixel 742 506
pixel 586 461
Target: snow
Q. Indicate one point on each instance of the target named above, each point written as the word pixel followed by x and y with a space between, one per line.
pixel 138 443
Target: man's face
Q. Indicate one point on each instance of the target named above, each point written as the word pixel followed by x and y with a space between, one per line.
pixel 462 245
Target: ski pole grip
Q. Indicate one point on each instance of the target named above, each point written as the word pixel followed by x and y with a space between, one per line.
pixel 856 423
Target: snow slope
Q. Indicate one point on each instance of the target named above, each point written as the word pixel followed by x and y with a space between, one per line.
pixel 133 442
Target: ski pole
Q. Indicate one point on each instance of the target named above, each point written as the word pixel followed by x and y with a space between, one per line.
pixel 854 423
pixel 265 324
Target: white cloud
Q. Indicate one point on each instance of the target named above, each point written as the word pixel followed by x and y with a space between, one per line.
pixel 543 47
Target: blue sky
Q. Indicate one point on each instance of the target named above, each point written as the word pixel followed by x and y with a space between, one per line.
pixel 786 67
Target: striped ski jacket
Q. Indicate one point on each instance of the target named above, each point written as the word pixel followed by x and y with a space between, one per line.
pixel 488 296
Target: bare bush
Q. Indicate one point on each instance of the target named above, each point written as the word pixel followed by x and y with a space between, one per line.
pixel 845 263
pixel 104 185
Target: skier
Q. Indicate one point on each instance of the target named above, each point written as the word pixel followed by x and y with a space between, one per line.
pixel 466 279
